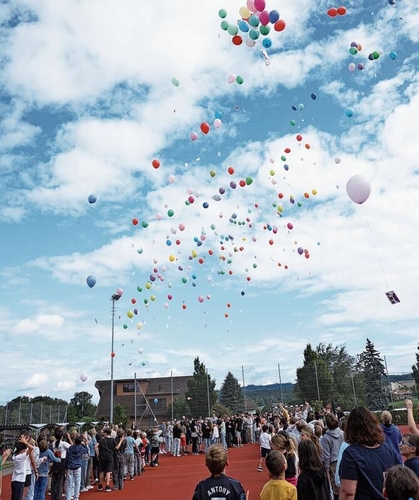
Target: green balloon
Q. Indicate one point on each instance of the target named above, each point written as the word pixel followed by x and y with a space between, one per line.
pixel 232 29
pixel 353 50
pixel 249 181
pixel 139 289
pixel 222 13
pixel 175 82
pixel 144 224
pixel 283 158
pixel 299 204
pixel 187 203
pixel 212 226
pixel 170 213
pixel 264 30
pixel 224 25
pixel 254 34
pixel 239 79
pixel 125 326
pixel 184 280
pixel 375 54
pixel 292 122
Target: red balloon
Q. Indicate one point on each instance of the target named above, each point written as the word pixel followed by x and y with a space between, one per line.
pixel 237 40
pixel 341 11
pixel 289 226
pixel 134 222
pixel 155 163
pixel 205 128
pixel 332 12
pixel 299 137
pixel 230 170
pixel 287 150
pixel 112 354
pixel 242 183
pixel 279 25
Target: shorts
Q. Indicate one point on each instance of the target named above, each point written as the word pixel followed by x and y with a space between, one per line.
pixel 264 452
pixel 105 465
pixel 238 434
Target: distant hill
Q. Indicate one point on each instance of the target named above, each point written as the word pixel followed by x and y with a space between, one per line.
pixel 288 386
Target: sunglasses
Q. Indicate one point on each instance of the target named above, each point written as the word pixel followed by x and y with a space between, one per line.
pixel 407 443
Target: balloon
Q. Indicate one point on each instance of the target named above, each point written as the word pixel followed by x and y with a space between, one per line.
pixel 92 198
pixel 231 78
pixel 300 250
pixel 193 136
pixel 224 25
pixel 217 123
pixel 155 163
pixel 140 350
pixel 222 13
pixel 260 5
pixel 244 12
pixel 279 25
pixel 290 226
pixel 332 12
pixel 341 11
pixel 119 292
pixel 201 299
pixel 360 66
pixel 251 5
pixel 239 79
pixel 237 40
pixel 156 401
pixel 205 128
pixel 175 82
pixel 351 67
pixel 130 314
pixel 393 55
pixel 243 26
pixel 353 50
pixel 143 363
pixel 314 96
pixel 233 29
pixel 171 179
pixel 375 54
pixel 254 21
pixel 337 160
pixel 273 16
pixel 219 115
pixel 358 189
pixel 264 18
pixel 349 112
pixel 91 281
pixel 254 34
pixel 264 30
pixel 139 326
pixel 267 43
pixel 250 42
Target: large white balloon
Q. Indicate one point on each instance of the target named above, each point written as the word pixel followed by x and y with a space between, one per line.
pixel 358 189
pixel 140 350
pixel 83 377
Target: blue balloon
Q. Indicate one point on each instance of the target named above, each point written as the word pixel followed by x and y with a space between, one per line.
pixel 156 400
pixel 92 198
pixel 393 55
pixel 349 112
pixel 294 108
pixel 314 96
pixel 91 281
pixel 273 16
pixel 267 43
pixel 219 115
pixel 243 26
pixel 254 21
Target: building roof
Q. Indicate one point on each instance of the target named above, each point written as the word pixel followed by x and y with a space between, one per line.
pixel 151 388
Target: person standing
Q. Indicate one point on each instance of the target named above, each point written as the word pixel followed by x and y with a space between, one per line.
pixel 330 444
pixel 45 458
pixel 265 445
pixel 74 464
pixel 392 433
pixel 22 461
pixel 105 449
pixel 58 470
pixel 129 454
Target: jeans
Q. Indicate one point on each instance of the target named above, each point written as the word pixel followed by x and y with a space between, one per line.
pixel 176 447
pixel 57 485
pixel 223 439
pixel 73 483
pixel 83 480
pixel 207 443
pixel 129 460
pixel 118 474
pixel 40 487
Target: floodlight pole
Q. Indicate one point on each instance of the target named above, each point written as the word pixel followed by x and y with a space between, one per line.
pixel 114 298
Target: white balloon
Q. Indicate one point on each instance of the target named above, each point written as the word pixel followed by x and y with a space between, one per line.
pixel 358 189
pixel 140 350
pixel 83 377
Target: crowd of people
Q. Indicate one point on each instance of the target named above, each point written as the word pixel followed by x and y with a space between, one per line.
pixel 308 455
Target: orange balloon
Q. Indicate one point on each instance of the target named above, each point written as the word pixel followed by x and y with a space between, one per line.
pixel 307 146
pixel 280 25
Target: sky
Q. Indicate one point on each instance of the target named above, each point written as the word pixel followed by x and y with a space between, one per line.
pixel 93 91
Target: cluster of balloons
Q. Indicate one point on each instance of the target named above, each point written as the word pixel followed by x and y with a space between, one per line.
pixel 340 11
pixel 255 22
pixel 233 78
pixel 205 129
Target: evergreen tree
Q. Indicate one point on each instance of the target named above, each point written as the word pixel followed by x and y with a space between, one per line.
pixel 374 371
pixel 201 395
pixel 314 378
pixel 415 370
pixel 231 394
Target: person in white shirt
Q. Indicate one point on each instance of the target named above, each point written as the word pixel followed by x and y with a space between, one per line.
pixel 265 445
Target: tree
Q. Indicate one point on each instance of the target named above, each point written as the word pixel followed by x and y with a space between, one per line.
pixel 373 371
pixel 201 395
pixel 180 409
pixel 415 369
pixel 80 406
pixel 314 379
pixel 231 394
pixel 120 416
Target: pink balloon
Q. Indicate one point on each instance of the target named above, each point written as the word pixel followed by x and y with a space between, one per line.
pixel 119 291
pixel 231 78
pixel 217 123
pixel 171 179
pixel 251 5
pixel 351 67
pixel 201 299
pixel 260 5
pixel 264 17
pixel 358 189
pixel 158 216
pixel 250 43
pixel 182 226
pixel 193 136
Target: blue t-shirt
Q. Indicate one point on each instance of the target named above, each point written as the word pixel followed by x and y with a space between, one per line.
pixel 129 450
pixel 413 464
pixel 366 465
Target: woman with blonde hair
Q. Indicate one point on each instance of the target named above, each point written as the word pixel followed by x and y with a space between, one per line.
pixel 286 445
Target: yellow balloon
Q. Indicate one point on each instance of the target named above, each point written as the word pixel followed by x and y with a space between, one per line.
pixel 171 258
pixel 314 191
pixel 280 208
pixel 244 12
pixel 153 297
pixel 130 314
pixel 148 285
pixel 194 254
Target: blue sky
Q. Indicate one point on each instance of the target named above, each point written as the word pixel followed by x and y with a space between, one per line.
pixel 87 102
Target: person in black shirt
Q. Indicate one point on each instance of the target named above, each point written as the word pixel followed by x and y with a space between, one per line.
pixel 218 485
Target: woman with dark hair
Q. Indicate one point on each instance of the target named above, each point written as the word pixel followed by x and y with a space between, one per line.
pixel 366 459
pixel 312 481
pixel 59 448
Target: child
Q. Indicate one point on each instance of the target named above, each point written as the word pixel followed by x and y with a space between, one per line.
pixel 401 484
pixel 218 484
pixel 265 445
pixel 286 444
pixel 312 480
pixel 409 448
pixel 277 488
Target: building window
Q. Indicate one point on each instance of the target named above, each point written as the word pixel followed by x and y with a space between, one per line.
pixel 128 387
